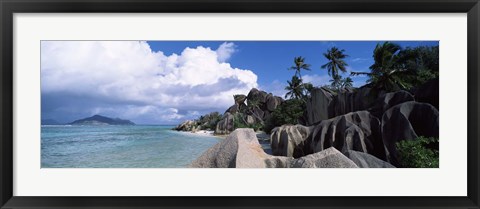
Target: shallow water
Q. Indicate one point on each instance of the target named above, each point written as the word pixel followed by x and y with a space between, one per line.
pixel 139 146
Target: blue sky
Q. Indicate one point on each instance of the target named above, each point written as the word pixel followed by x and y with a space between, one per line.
pixel 270 59
pixel 166 82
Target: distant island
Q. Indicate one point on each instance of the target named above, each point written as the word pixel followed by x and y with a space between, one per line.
pixel 101 120
pixel 50 122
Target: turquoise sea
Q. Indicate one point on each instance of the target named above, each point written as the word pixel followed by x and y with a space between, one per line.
pixel 139 146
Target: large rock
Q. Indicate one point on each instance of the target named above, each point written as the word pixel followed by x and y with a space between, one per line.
pixel 272 102
pixel 329 158
pixel 239 99
pixel 389 100
pixel 257 95
pixel 428 92
pixel 258 113
pixel 188 125
pixel 250 119
pixel 226 125
pixel 241 149
pixel 407 121
pixel 359 131
pixel 319 106
pixel 351 101
pixel 289 140
pixel 364 160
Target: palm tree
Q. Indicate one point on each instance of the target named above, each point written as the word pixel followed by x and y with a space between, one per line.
pixel 294 88
pixel 387 73
pixel 336 62
pixel 308 88
pixel 336 81
pixel 347 82
pixel 299 65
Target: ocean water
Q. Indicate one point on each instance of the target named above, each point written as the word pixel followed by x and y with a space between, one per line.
pixel 139 146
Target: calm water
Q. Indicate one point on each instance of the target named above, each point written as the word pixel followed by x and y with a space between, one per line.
pixel 120 147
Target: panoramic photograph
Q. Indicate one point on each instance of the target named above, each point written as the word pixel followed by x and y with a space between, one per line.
pixel 240 104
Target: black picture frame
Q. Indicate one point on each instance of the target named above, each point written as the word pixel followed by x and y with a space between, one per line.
pixel 9 7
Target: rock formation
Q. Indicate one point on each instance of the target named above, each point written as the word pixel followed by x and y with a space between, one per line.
pixel 428 93
pixel 289 140
pixel 188 125
pixel 389 100
pixel 242 150
pixel 260 106
pixel 320 106
pixel 358 131
pixel 407 121
pixel 364 160
pixel 226 125
pixel 328 158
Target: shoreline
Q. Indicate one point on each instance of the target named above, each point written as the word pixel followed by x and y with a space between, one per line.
pixel 203 133
pixel 261 136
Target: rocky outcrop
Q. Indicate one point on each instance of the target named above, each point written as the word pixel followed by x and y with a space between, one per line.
pixel 239 98
pixel 325 104
pixel 407 121
pixel 241 149
pixel 272 102
pixel 260 106
pixel 389 100
pixel 188 125
pixel 428 93
pixel 351 101
pixel 358 131
pixel 289 140
pixel 328 158
pixel 239 105
pixel 226 125
pixel 364 160
pixel 257 95
pixel 320 106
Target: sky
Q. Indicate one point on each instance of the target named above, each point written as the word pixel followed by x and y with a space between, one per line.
pixel 167 82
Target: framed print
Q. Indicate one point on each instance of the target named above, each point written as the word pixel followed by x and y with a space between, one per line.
pixel 266 104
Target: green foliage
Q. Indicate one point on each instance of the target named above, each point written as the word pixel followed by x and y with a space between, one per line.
pixel 422 61
pixel 287 113
pixel 299 65
pixel 208 121
pixel 396 68
pixel 419 153
pixel 239 122
pixel 347 82
pixel 295 88
pixel 335 62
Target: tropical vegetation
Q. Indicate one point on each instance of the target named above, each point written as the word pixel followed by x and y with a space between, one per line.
pixel 421 152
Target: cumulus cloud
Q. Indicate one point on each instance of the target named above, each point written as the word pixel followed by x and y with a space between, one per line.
pixel 225 50
pixel 128 79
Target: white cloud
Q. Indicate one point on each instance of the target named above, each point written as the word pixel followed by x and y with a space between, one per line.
pixel 359 59
pixel 316 80
pixel 225 51
pixel 144 81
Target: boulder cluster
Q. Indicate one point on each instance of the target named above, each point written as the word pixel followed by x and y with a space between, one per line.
pixel 346 129
pixel 254 108
pixel 242 150
pixel 353 121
